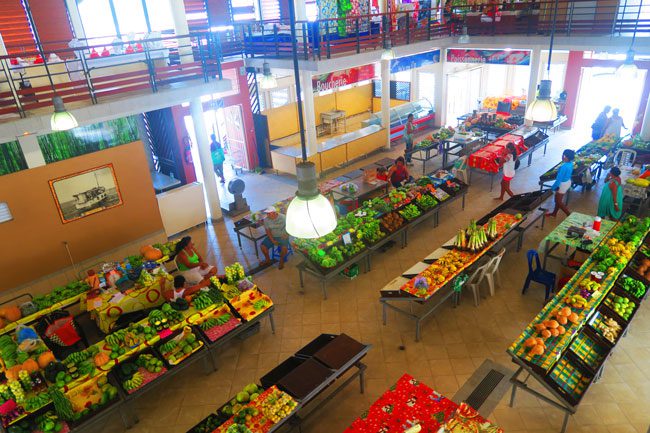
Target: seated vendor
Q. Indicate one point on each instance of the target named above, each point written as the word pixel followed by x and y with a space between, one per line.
pixel 190 263
pixel 182 289
pixel 276 235
pixel 399 174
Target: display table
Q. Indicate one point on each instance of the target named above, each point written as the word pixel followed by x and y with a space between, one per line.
pixel 309 379
pixel 360 191
pixel 332 153
pixel 560 236
pixel 553 126
pixel 411 403
pixel 566 346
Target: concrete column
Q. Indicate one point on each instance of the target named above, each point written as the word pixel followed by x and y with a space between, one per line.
pixel 205 159
pixel 535 60
pixel 440 95
pixel 385 99
pixel 31 150
pixel 75 19
pixel 308 112
pixel 415 85
pixel 181 28
pixel 645 127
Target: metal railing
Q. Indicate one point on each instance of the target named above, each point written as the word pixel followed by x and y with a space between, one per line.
pixel 93 72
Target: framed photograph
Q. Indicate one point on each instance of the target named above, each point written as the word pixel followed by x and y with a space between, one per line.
pixel 85 193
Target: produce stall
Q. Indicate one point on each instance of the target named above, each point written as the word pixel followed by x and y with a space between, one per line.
pixel 567 344
pixel 422 286
pixel 446 142
pixel 552 125
pixel 410 404
pixel 576 233
pixel 492 124
pixel 587 165
pixel 377 222
pixel 56 382
pixel 489 159
pixel 291 389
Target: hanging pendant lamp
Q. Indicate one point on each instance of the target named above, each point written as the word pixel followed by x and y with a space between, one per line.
pixel 388 53
pixel 464 36
pixel 628 70
pixel 267 81
pixel 62 119
pixel 543 109
pixel 309 215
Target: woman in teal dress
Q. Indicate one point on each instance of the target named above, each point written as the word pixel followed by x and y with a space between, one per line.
pixel 611 199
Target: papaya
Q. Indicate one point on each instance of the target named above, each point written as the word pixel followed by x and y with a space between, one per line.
pixel 45 358
pixel 11 313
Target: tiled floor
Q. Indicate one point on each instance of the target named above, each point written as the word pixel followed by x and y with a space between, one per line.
pixel 454 343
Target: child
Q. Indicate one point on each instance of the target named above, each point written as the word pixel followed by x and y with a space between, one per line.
pixel 382 174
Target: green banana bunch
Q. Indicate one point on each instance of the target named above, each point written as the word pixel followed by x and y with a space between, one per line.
pixel 210 323
pixel 202 301
pixel 76 357
pixel 36 402
pixel 168 347
pixel 135 382
pixel 116 338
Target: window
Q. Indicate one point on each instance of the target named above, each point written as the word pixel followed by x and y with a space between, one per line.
pixel 160 15
pixel 269 10
pixel 96 16
pixel 312 10
pixel 130 16
pixel 279 97
pixel 426 86
pixel 243 10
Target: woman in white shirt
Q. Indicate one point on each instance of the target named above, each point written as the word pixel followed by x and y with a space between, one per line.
pixel 510 164
pixel 614 124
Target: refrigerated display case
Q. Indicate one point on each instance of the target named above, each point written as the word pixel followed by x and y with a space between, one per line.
pixel 422 110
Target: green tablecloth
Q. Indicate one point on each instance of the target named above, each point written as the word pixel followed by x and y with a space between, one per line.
pixel 559 234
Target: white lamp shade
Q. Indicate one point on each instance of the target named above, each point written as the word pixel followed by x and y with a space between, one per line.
pixel 267 82
pixel 310 218
pixel 627 71
pixel 62 121
pixel 541 110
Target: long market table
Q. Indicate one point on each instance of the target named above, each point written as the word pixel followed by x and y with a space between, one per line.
pixel 526 204
pixel 364 257
pixel 570 362
pixel 446 148
pixel 585 244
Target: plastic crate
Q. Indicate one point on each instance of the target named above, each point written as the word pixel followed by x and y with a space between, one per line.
pixel 634 191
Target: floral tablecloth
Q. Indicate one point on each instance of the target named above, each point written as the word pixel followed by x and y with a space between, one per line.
pixel 559 234
pixel 409 403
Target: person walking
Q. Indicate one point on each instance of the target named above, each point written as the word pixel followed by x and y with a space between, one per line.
pixel 610 204
pixel 409 129
pixel 563 182
pixel 598 127
pixel 614 124
pixel 510 165
pixel 218 157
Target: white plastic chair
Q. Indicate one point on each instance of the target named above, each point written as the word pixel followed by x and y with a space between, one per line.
pixel 460 167
pixel 624 158
pixel 492 271
pixel 474 283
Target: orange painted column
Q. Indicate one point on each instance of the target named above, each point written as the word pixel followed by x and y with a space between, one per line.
pixel 572 85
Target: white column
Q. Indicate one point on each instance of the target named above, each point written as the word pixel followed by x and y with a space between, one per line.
pixel 31 150
pixel 385 99
pixel 181 28
pixel 209 179
pixel 645 126
pixel 308 112
pixel 535 60
pixel 75 19
pixel 301 10
pixel 440 95
pixel 415 85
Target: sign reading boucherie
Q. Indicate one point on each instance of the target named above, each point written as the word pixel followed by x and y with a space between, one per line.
pixel 493 57
pixel 333 80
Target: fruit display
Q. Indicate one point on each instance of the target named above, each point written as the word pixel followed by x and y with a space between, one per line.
pixel 243 397
pixel 608 327
pixel 621 305
pixel 167 249
pixel 643 183
pixel 377 204
pixel 276 404
pixel 635 287
pixel 251 303
pixel 410 212
pixel 217 323
pixel 180 347
pixel 636 143
pixel 86 398
pixel 235 273
pixel 392 221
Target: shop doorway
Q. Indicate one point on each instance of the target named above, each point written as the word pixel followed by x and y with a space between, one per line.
pixel 599 87
pixel 463 93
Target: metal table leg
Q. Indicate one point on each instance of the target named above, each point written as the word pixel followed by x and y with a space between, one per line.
pixel 272 322
pixel 302 283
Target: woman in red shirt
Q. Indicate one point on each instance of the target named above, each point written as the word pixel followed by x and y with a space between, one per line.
pixel 398 173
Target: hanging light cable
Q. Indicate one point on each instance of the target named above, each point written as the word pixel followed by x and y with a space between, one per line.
pixel 628 70
pixel 309 215
pixel 267 81
pixel 543 109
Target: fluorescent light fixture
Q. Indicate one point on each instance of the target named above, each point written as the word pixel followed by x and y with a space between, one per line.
pixel 628 70
pixel 309 215
pixel 5 213
pixel 542 109
pixel 267 81
pixel 62 119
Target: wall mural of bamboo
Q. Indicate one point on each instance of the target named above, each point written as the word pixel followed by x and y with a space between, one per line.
pixel 58 146
pixel 11 158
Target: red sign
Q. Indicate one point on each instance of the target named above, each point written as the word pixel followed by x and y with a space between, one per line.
pixel 494 57
pixel 335 79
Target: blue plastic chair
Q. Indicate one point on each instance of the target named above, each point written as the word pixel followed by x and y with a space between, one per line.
pixel 538 274
pixel 275 253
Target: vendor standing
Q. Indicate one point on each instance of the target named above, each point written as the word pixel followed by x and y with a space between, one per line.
pixel 611 199
pixel 409 130
pixel 275 225
pixel 190 263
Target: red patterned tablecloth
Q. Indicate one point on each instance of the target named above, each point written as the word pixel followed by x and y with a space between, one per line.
pixel 410 402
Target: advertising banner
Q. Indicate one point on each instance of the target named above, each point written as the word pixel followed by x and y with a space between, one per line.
pixel 493 57
pixel 414 61
pixel 333 80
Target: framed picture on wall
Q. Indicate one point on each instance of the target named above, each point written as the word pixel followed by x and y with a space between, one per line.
pixel 87 192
